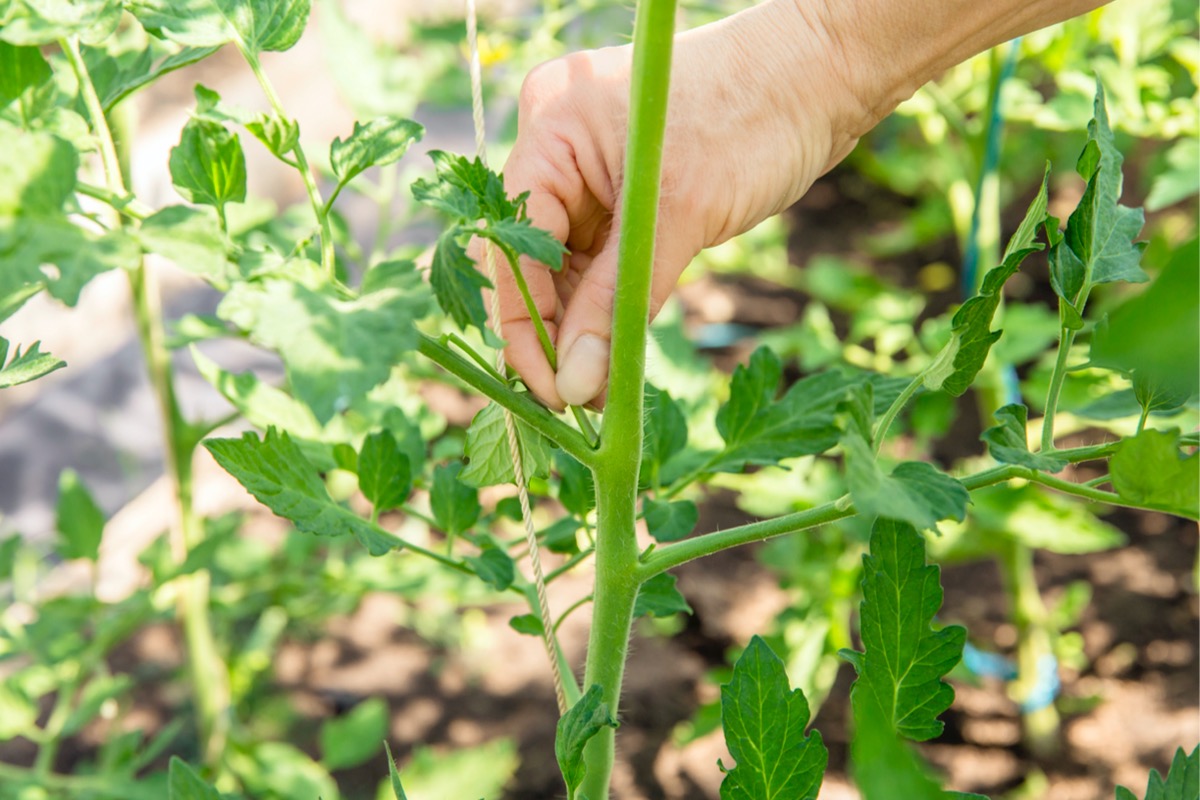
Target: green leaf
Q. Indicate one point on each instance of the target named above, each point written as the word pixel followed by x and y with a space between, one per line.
pixel 576 487
pixel 279 769
pixel 494 566
pixel 575 728
pixel 1182 782
pixel 353 738
pixel 118 77
pixel 41 22
pixel 764 721
pixel 456 283
pixel 561 536
pixel 455 505
pixel 394 775
pixel 658 597
pixel 260 403
pixel 208 165
pixel 18 713
pixel 27 366
pixel 665 432
pixel 884 767
pixel 51 252
pixel 758 429
pixel 184 784
pixel 22 71
pixel 670 521
pixel 915 492
pixel 1008 443
pixel 80 521
pixel 384 473
pixel 519 236
pixel 37 172
pixel 254 25
pixel 381 141
pixel 1143 335
pixel 1150 469
pixel 489 454
pixel 189 237
pixel 463 773
pixel 469 191
pixel 1181 177
pixel 904 659
pixel 1026 514
pixel 526 624
pixel 971 334
pixel 280 477
pixel 278 134
pixel 335 350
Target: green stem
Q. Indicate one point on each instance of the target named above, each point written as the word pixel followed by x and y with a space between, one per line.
pixel 578 604
pixel 620 451
pixel 1033 646
pixel 1065 340
pixel 128 205
pixel 523 406
pixel 209 673
pixel 539 325
pixel 889 416
pixel 43 765
pixel 669 556
pixel 320 210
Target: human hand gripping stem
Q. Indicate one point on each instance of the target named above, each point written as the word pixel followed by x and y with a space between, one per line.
pixel 730 159
pixel 761 105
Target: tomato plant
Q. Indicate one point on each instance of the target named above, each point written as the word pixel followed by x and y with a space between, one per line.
pixel 343 448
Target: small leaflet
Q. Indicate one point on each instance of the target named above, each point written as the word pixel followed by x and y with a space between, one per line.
pixel 253 25
pixel 1150 469
pixel 488 452
pixel 759 429
pixel 381 141
pixel 582 721
pixel 955 367
pixel 764 721
pixel 1008 444
pixel 208 165
pixel 27 366
pixel 384 473
pixel 80 521
pixel 659 597
pixel 276 472
pixel 455 504
pixel 904 658
pixel 670 520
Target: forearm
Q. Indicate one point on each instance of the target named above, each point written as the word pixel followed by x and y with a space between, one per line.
pixel 892 47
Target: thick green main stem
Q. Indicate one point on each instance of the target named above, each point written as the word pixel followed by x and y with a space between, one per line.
pixel 209 673
pixel 619 456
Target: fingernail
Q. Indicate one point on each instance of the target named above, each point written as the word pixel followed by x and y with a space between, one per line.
pixel 582 369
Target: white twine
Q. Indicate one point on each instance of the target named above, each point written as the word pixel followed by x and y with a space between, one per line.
pixel 510 425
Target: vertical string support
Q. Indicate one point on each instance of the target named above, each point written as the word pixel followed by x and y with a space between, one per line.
pixel 514 444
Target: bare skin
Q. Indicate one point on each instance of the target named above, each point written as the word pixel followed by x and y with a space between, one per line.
pixel 762 104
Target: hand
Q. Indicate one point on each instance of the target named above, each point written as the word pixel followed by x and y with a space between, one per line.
pixel 746 136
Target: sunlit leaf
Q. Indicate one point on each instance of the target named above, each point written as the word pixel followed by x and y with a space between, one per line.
pixel 765 720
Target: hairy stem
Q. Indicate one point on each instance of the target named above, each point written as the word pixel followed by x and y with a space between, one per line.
pixel 620 450
pixel 209 673
pixel 889 416
pixel 1065 340
pixel 320 210
pixel 522 405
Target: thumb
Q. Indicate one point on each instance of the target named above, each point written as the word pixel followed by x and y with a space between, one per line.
pixel 585 333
